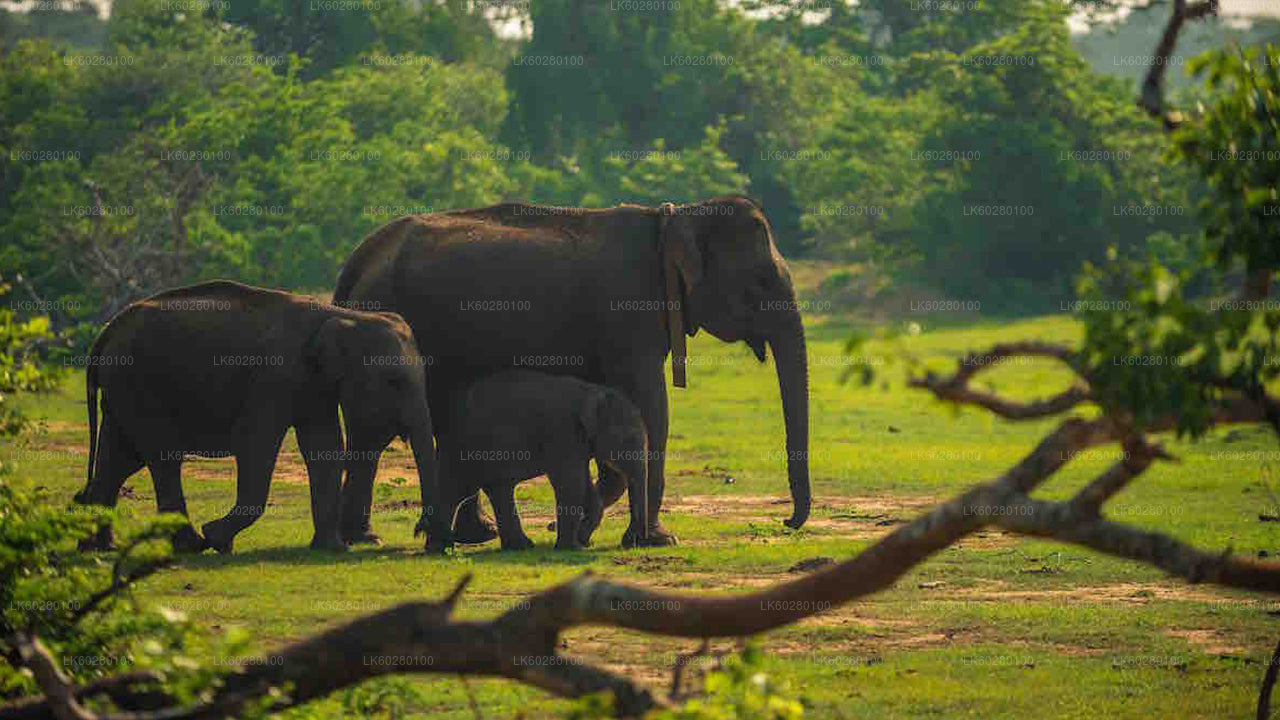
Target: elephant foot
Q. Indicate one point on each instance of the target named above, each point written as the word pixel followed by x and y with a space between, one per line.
pixel 522 542
pixel 796 521
pixel 474 528
pixel 435 547
pixel 657 537
pixel 188 542
pixel 572 544
pixel 330 544
pixel 367 537
pixel 100 541
pixel 214 538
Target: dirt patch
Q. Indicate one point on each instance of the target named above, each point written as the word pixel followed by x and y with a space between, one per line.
pixel 63 448
pixel 655 563
pixel 715 582
pixel 1122 593
pixel 620 653
pixel 860 517
pixel 853 509
pixel 1212 642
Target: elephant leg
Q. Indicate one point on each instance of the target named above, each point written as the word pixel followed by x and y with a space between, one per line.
pixel 510 532
pixel 321 445
pixel 594 513
pixel 116 460
pixel 471 526
pixel 648 390
pixel 572 485
pixel 254 467
pixel 610 486
pixel 166 478
pixel 357 491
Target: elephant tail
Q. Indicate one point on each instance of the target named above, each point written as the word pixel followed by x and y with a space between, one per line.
pixel 91 397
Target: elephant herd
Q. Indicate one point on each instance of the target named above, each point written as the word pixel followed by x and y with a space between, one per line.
pixel 502 343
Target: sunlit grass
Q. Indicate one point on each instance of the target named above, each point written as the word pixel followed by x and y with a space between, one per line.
pixel 1090 625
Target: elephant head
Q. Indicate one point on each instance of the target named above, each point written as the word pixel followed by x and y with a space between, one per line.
pixel 735 284
pixel 381 380
pixel 615 430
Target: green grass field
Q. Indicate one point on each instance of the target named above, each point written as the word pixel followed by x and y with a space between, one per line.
pixel 1017 628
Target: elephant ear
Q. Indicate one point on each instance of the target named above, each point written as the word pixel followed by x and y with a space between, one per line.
pixel 326 352
pixel 679 240
pixel 681 258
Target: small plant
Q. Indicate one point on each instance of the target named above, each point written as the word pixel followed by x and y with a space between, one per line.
pixel 389 697
pixel 739 689
pixel 20 371
pixel 764 531
pixel 81 607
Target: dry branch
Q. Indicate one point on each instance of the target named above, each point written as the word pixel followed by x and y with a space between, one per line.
pixel 956 389
pixel 1152 97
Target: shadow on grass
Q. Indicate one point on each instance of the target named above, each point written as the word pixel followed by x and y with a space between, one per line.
pixel 305 556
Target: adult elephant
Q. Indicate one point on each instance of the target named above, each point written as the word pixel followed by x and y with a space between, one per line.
pixel 221 368
pixel 603 295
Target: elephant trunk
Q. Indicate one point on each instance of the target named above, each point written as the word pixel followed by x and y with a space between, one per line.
pixel 435 519
pixel 792 363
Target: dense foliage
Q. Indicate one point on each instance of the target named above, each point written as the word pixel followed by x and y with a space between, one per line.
pixel 261 141
pixel 1155 350
pixel 20 368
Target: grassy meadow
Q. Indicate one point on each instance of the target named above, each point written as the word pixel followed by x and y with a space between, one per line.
pixel 994 627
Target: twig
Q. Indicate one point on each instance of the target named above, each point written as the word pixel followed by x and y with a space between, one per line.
pixel 1268 683
pixel 1152 98
pixel 678 670
pixel 121 581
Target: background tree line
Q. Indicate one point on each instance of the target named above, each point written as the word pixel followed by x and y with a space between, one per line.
pixel 261 139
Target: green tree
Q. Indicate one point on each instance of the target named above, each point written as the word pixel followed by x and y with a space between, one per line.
pixel 333 35
pixel 1227 344
pixel 1042 165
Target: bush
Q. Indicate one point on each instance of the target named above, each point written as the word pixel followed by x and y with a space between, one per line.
pixel 20 371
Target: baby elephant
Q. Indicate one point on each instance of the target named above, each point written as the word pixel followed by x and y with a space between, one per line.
pixel 518 424
pixel 224 369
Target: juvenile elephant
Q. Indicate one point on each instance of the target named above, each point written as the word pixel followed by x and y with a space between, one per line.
pixel 518 424
pixel 225 369
pixel 607 294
